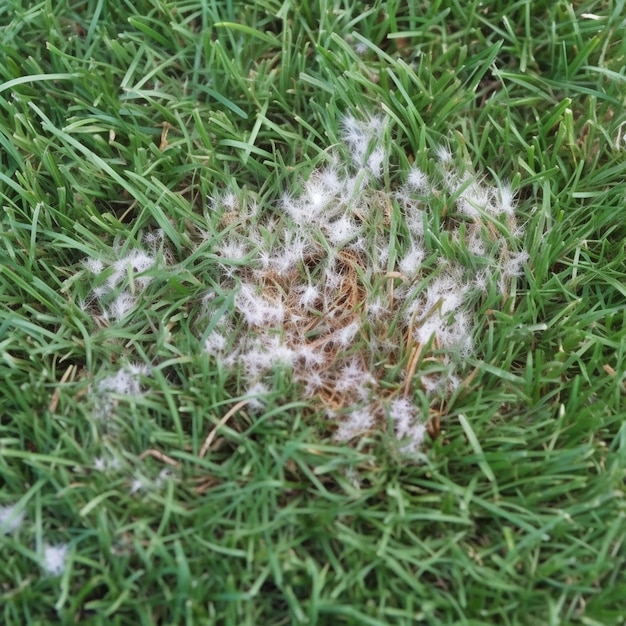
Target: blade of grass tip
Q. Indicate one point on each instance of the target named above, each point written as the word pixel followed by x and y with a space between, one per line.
pixel 498 371
pixel 139 22
pixel 316 82
pixel 95 20
pixel 33 78
pixel 478 451
pixel 255 131
pixel 65 590
pixel 248 30
pixel 33 237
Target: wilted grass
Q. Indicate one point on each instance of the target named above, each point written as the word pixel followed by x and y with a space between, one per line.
pixel 160 159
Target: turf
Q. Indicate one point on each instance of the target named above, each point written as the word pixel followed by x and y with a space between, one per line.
pixel 141 482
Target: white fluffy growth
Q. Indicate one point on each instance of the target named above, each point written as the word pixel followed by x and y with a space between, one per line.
pixel 122 304
pixel 355 424
pixel 10 519
pixel 321 276
pixel 505 200
pixel 412 261
pixel 125 382
pixel 330 276
pixel 409 428
pixel 125 277
pixel 54 559
pixel 416 180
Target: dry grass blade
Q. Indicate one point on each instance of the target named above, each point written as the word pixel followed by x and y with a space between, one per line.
pixel 211 436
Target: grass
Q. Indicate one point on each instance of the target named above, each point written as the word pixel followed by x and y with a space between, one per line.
pixel 172 492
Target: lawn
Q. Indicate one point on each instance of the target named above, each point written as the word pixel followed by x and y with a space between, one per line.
pixel 312 313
